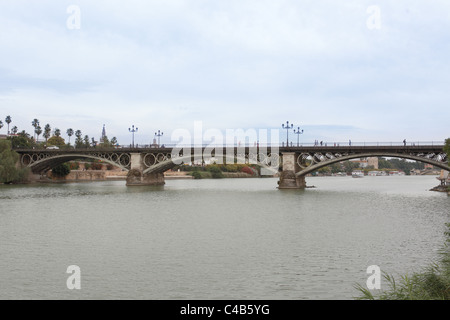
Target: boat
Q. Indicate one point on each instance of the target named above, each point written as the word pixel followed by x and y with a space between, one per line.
pixel 357 174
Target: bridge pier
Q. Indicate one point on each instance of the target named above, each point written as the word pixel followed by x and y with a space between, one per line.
pixel 136 177
pixel 288 177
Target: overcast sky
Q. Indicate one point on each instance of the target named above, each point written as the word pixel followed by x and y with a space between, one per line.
pixel 353 69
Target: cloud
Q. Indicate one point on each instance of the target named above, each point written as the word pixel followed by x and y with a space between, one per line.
pixel 231 64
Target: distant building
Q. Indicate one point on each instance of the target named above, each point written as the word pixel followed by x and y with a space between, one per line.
pixel 428 166
pixel 373 161
pixel 3 136
pixel 363 163
pixel 102 139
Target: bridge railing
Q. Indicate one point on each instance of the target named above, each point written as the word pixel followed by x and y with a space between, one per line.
pixel 252 145
pixel 294 144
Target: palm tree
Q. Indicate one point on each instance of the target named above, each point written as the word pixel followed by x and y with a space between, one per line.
pixel 57 132
pixel 38 132
pixel 14 130
pixel 69 133
pixel 8 121
pixel 35 124
pixel 47 131
pixel 1 124
pixel 78 140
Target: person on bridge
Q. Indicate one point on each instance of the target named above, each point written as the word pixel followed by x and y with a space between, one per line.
pixel 404 142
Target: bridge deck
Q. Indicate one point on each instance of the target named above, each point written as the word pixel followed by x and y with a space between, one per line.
pixel 309 149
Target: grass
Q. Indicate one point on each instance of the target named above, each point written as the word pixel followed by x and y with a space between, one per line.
pixel 433 283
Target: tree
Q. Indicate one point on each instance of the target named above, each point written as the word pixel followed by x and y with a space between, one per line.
pixel 9 172
pixel 35 124
pixel 61 171
pixel 1 124
pixel 47 132
pixel 79 140
pixel 14 130
pixel 8 120
pixel 349 166
pixel 87 144
pixel 105 142
pixel 57 132
pixel 114 141
pixel 447 148
pixel 38 132
pixel 56 141
pixel 69 133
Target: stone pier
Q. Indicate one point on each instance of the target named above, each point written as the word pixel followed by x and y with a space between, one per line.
pixel 136 177
pixel 288 177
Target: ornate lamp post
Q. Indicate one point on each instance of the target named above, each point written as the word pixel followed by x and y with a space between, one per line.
pixel 298 133
pixel 158 134
pixel 287 127
pixel 133 130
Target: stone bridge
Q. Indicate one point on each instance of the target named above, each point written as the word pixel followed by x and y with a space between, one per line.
pixel 146 166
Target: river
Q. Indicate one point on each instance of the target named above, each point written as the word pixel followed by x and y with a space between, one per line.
pixel 216 239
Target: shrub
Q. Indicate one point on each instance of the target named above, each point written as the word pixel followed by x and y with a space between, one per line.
pixel 196 174
pixel 96 166
pixel 74 165
pixel 215 172
pixel 61 171
pixel 247 170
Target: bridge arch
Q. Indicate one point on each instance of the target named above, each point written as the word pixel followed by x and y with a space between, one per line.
pixel 169 163
pixel 327 162
pixel 44 162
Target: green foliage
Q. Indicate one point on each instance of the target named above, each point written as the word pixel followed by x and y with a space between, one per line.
pixel 349 166
pixel 197 175
pixel 447 148
pixel 56 141
pixel 61 171
pixel 20 142
pixel 9 171
pixel 215 171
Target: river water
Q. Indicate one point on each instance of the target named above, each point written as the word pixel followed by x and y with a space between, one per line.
pixel 216 239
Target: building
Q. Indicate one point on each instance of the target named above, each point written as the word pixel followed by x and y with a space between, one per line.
pixel 372 161
pixel 103 136
pixel 366 162
pixel 3 136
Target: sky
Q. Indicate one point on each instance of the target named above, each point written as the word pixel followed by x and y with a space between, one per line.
pixel 372 71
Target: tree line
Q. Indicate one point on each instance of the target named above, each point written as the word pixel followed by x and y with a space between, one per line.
pixel 52 137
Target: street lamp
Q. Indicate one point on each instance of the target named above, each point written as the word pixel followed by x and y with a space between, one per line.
pixel 133 130
pixel 298 133
pixel 159 134
pixel 287 127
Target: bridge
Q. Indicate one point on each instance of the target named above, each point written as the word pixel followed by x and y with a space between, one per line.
pixel 146 166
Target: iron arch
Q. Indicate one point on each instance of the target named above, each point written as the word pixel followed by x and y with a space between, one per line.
pixel 328 162
pixel 44 164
